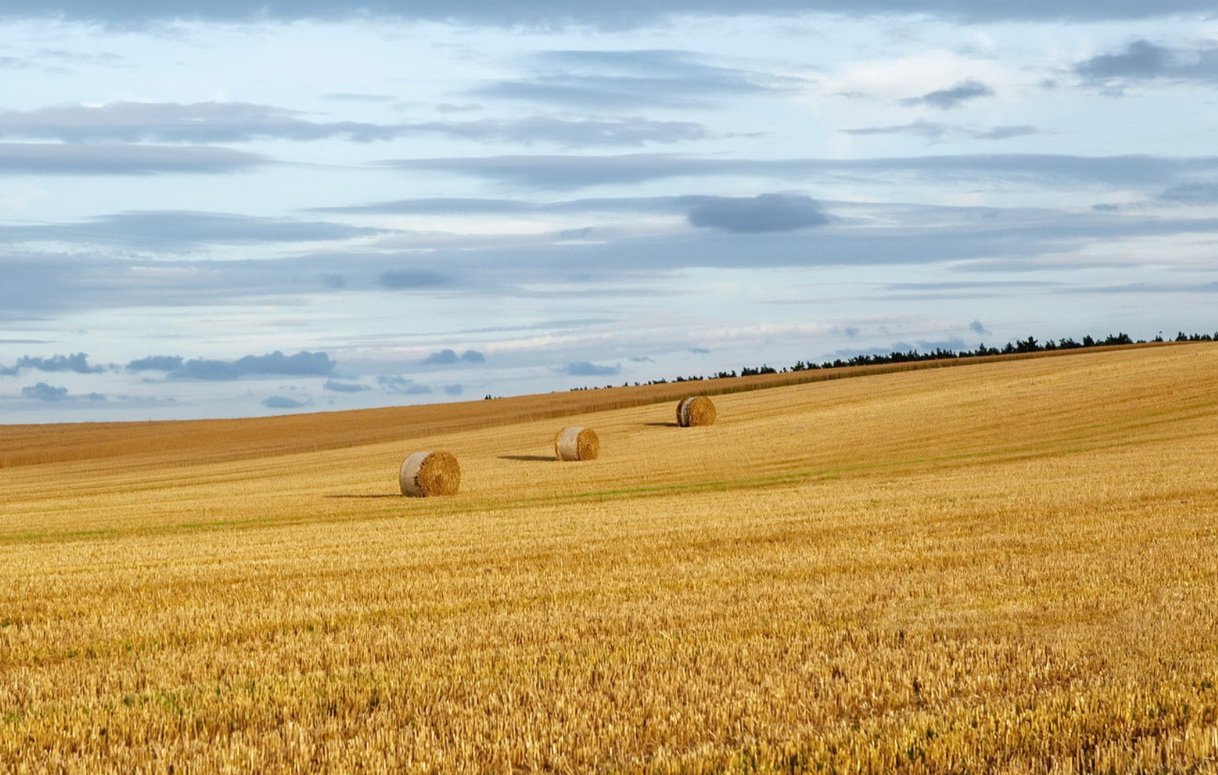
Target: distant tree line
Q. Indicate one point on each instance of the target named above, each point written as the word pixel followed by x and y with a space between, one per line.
pixel 1029 345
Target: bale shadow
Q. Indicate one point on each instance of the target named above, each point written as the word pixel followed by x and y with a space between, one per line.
pixel 360 497
pixel 529 458
pixel 662 425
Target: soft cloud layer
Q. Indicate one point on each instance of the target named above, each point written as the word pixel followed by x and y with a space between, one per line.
pixel 235 122
pixel 113 159
pixel 364 210
pixel 573 172
pixel 549 12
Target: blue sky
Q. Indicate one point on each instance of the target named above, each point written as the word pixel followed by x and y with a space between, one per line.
pixel 208 211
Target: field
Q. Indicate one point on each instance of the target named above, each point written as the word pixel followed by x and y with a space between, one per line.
pixel 1004 567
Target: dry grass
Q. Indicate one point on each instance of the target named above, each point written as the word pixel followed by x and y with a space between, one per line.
pixel 1008 568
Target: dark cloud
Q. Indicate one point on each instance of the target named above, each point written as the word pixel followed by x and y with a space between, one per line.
pixel 301 364
pixel 453 390
pixel 284 402
pixel 750 215
pixel 1142 60
pixel 409 279
pixel 946 99
pixel 589 369
pixel 44 392
pixel 8 371
pixel 116 159
pixel 392 383
pixel 642 359
pixel 600 79
pixel 551 13
pixel 572 172
pixel 77 362
pixel 978 328
pixel 699 351
pixel 933 130
pixel 156 363
pixel 449 357
pixel 335 386
pixel 1191 194
pixel 177 230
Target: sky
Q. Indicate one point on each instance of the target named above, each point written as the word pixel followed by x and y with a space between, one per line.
pixel 223 209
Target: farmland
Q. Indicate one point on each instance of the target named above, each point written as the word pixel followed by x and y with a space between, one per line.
pixel 1010 567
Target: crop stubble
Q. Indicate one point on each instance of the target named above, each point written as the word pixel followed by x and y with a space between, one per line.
pixel 1009 567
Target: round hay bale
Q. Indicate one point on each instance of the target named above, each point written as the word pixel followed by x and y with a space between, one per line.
pixel 695 411
pixel 430 473
pixel 577 443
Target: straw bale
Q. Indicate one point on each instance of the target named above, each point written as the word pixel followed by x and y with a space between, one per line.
pixel 425 474
pixel 695 411
pixel 577 443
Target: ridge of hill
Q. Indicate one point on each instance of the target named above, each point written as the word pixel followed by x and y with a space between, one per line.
pixel 195 441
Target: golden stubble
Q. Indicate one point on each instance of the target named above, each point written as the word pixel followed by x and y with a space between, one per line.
pixel 1009 567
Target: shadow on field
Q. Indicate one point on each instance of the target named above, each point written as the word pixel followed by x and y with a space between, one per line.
pixel 529 458
pixel 359 497
pixel 661 425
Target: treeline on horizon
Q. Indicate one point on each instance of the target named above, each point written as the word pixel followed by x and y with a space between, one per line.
pixel 1029 345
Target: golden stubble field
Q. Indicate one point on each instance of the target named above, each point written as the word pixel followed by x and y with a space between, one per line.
pixel 1006 567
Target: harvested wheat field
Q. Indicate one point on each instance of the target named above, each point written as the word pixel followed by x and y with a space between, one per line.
pixel 1005 567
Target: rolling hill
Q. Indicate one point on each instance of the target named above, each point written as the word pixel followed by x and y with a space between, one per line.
pixel 1005 567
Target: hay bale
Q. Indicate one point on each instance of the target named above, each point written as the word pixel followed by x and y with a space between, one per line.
pixel 695 411
pixel 430 473
pixel 577 443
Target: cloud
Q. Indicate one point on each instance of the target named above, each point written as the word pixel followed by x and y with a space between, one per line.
pixel 1142 60
pixel 589 369
pixel 648 77
pixel 552 13
pixel 115 159
pixel 156 363
pixel 398 384
pixel 408 279
pixel 235 122
pixel 447 357
pixel 284 402
pixel 568 132
pixel 453 390
pixel 44 392
pixel 179 230
pixel 933 130
pixel 1191 194
pixel 573 172
pixel 344 387
pixel 77 362
pixel 977 328
pixel 699 351
pixel 767 212
pixel 946 99
pixel 36 285
pixel 169 122
pixel 642 359
pixel 301 364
